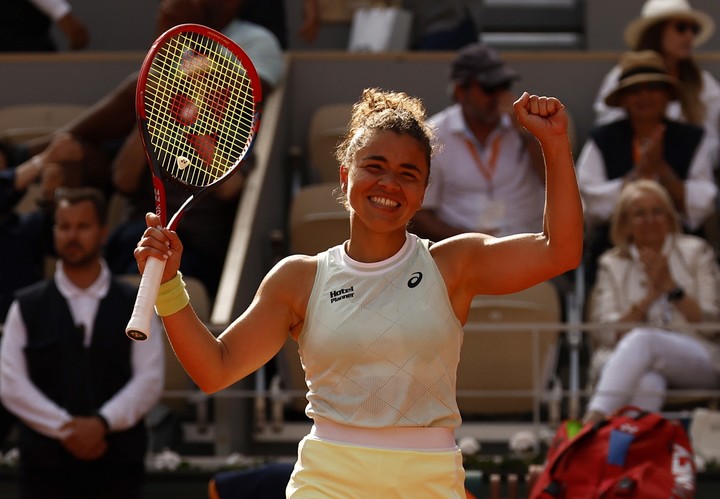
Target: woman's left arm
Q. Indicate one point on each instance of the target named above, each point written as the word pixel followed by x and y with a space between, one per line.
pixel 480 264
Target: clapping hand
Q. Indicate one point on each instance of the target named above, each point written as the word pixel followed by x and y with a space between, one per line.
pixel 651 153
pixel 656 267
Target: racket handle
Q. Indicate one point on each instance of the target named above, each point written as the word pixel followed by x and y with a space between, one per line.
pixel 138 327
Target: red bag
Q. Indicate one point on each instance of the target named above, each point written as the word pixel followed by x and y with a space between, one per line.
pixel 640 455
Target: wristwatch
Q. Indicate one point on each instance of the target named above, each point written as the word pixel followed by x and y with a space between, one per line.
pixel 676 294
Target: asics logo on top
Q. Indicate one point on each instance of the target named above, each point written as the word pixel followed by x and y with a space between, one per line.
pixel 415 279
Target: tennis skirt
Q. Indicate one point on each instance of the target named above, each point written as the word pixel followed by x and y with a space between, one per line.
pixel 326 470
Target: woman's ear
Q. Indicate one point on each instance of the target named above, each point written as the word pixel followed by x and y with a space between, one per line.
pixel 343 178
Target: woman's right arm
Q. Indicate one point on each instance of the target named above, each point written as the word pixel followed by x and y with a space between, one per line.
pixel 276 312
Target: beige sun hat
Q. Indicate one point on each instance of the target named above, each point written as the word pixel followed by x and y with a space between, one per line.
pixel 644 66
pixel 655 11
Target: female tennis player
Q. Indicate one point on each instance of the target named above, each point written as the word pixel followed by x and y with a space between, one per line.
pixel 378 319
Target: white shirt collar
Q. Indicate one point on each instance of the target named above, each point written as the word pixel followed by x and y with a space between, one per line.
pixel 97 289
pixel 383 266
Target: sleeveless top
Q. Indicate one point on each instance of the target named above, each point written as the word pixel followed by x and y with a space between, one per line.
pixel 381 344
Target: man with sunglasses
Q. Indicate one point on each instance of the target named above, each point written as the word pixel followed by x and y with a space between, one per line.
pixel 488 175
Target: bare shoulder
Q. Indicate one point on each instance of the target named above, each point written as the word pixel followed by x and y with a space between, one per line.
pixel 294 271
pixel 477 263
pixel 455 249
pixel 454 254
pixel 290 282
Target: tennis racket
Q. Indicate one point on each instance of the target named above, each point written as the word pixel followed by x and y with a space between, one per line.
pixel 198 110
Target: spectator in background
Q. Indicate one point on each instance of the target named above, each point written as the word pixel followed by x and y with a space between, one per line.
pixel 25 26
pixel 488 175
pixel 103 127
pixel 208 226
pixel 259 43
pixel 646 144
pixel 78 386
pixel 114 159
pixel 673 29
pixel 667 280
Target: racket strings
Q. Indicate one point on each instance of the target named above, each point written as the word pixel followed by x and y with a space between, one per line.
pixel 200 109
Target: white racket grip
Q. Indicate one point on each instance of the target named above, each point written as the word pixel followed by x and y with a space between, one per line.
pixel 138 327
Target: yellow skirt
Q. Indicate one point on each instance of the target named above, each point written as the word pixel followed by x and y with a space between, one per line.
pixel 345 471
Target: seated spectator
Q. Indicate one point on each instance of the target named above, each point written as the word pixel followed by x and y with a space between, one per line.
pixel 114 159
pixel 208 226
pixel 648 145
pixel 673 29
pixel 666 280
pixel 488 173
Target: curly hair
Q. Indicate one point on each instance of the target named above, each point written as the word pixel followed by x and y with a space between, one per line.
pixel 380 110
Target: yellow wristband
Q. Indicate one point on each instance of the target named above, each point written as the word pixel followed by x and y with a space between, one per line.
pixel 172 296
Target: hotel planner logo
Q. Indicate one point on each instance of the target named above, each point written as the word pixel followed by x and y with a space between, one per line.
pixel 341 294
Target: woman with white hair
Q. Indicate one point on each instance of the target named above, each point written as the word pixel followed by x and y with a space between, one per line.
pixel 666 281
pixel 673 29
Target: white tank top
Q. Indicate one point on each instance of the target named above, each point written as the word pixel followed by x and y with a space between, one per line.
pixel 381 344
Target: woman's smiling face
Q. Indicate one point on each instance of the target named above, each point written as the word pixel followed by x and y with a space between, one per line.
pixel 385 184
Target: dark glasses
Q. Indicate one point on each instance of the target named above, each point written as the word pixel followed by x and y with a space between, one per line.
pixel 498 87
pixel 682 27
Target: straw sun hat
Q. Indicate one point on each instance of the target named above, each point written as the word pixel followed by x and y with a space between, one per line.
pixel 655 11
pixel 644 66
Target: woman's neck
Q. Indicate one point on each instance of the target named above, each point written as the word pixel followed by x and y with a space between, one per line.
pixel 370 247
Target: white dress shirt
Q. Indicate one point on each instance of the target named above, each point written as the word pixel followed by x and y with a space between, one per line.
pixel 42 414
pixel 510 201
